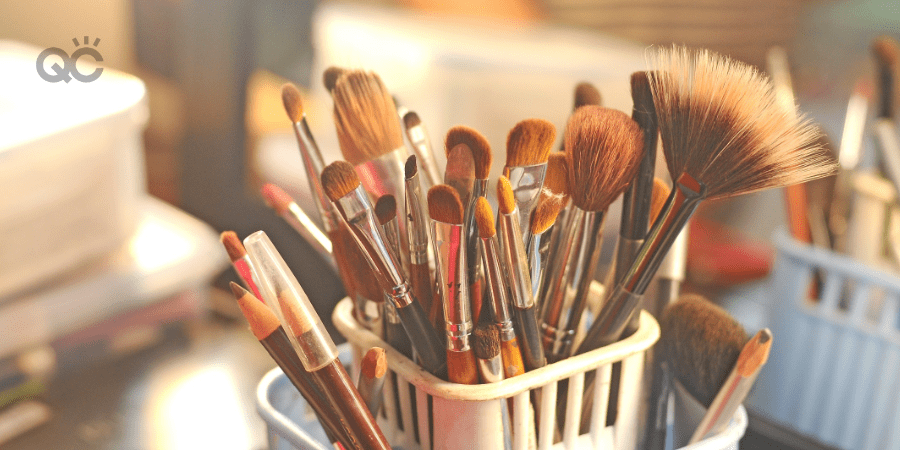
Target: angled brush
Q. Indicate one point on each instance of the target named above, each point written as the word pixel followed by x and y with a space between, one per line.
pixel 527 148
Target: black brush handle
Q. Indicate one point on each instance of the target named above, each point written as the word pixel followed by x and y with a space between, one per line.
pixel 424 339
pixel 529 338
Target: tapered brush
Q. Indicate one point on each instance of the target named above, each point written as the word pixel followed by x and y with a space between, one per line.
pixel 542 219
pixel 527 149
pixel 496 282
pixel 283 204
pixel 372 370
pixel 603 148
pixel 723 134
pixel 487 353
pixel 239 260
pixel 418 240
pixel 264 325
pixel 514 262
pixel 330 77
pixel 421 143
pixel 343 188
pixel 448 240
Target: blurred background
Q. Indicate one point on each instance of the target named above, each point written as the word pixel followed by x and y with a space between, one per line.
pixel 114 311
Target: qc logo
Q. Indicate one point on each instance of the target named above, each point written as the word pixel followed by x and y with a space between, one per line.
pixel 69 69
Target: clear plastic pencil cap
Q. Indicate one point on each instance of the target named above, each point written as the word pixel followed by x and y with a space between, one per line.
pixel 283 294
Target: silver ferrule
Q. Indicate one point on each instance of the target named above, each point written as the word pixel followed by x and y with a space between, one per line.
pixel 626 249
pixel 385 175
pixel 526 182
pixel 516 261
pixel 390 312
pixel 490 370
pixel 538 251
pixel 310 232
pixel 673 265
pixel 499 305
pixel 450 257
pixel 472 240
pixel 567 292
pixel 418 137
pixel 313 165
pixel 416 222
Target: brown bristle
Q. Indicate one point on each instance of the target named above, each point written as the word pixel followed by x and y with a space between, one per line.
pixel 587 94
pixel 484 218
pixel 232 245
pixel 720 122
pixel 411 120
pixel 487 341
pixel 702 343
pixel 641 96
pixel 276 198
pixel 263 321
pixel 603 147
pixel 374 364
pixel 505 196
pixel 544 214
pixel 293 102
pixel 886 50
pixel 477 143
pixel 444 205
pixel 385 208
pixel 529 142
pixel 331 75
pixel 339 179
pixel 556 179
pixel 658 198
pixel 365 117
pixel 411 168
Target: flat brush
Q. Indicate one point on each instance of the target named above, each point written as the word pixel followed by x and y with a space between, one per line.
pixel 460 175
pixel 603 148
pixel 239 259
pixel 515 263
pixel 723 134
pixel 448 239
pixel 343 187
pixel 542 219
pixel 312 342
pixel 487 353
pixel 418 241
pixel 386 212
pixel 372 370
pixel 418 137
pixel 283 204
pixel 736 387
pixel 509 345
pixel 527 148
pixel 264 325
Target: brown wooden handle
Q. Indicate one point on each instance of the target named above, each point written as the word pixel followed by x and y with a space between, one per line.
pixel 512 358
pixel 461 367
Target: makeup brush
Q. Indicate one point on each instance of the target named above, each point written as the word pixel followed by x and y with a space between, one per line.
pixel 418 137
pixel 514 261
pixel 386 212
pixel 239 259
pixel 542 219
pixel 509 345
pixel 418 239
pixel 372 370
pixel 556 185
pixel 312 342
pixel 264 325
pixel 672 270
pixel 448 240
pixel 283 204
pixel 603 148
pixel 460 175
pixel 343 187
pixel 330 77
pixel 527 148
pixel 585 94
pixel 736 387
pixel 487 353
pixel 723 135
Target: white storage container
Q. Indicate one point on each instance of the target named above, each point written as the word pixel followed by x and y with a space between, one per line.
pixel 71 166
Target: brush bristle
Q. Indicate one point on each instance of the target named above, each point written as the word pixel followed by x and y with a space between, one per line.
pixel 587 94
pixel 487 341
pixel 331 75
pixel 544 214
pixel 604 147
pixel 720 122
pixel 484 218
pixel 339 179
pixel 444 205
pixel 658 198
pixel 411 119
pixel 411 168
pixel 477 143
pixel 641 96
pixel 556 179
pixel 385 208
pixel 276 198
pixel 232 245
pixel 365 117
pixel 886 50
pixel 505 196
pixel 529 142
pixel 702 343
pixel 374 364
pixel 293 102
